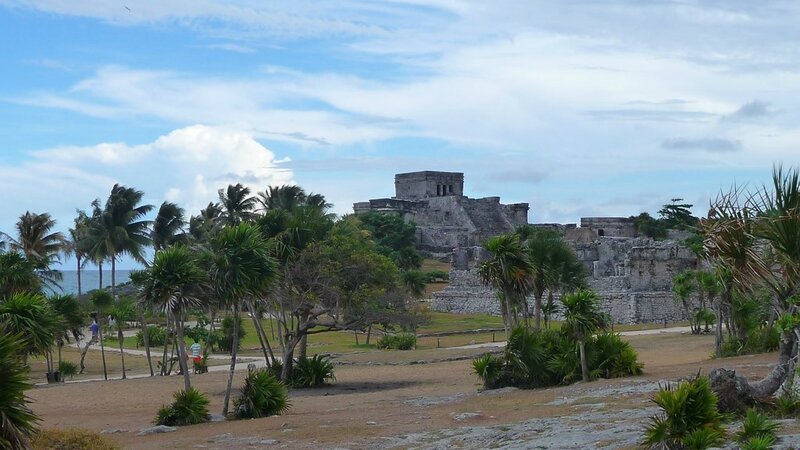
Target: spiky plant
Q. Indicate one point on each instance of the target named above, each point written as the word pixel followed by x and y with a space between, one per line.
pixel 17 421
pixel 489 369
pixel 313 372
pixel 755 425
pixel 262 395
pixel 190 407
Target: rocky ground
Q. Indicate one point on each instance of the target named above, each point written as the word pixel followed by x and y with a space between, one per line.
pixel 427 399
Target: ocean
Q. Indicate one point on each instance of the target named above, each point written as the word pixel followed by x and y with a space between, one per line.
pixel 90 279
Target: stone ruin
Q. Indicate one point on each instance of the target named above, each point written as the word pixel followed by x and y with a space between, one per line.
pixel 632 274
pixel 444 216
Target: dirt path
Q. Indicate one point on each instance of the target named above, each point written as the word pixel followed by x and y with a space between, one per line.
pixel 412 405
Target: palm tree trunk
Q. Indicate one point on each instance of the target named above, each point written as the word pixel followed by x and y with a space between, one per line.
pixel 584 364
pixel 369 332
pixel 259 332
pixel 187 383
pixel 102 351
pixel 114 277
pixel 166 344
pixel 78 259
pixel 537 310
pixel 60 346
pixel 146 338
pixel 121 350
pixel 234 348
pixel 100 270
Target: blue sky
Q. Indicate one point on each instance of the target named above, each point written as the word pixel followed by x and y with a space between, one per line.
pixel 579 108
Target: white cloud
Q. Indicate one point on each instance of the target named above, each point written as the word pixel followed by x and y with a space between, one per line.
pixel 186 166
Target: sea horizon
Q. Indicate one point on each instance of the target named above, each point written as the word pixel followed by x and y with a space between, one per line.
pixel 90 279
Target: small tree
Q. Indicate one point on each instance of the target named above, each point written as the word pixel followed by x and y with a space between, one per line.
pixel 582 317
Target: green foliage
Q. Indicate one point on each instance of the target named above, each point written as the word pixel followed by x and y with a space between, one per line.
pixel 17 274
pixel 31 316
pixel 18 421
pixel 787 405
pixel 393 236
pixel 312 372
pixel 677 216
pixel 262 395
pixel 761 442
pixel 222 338
pixel 200 366
pixel 402 341
pixel 190 407
pixel 761 340
pixel 689 417
pixel 72 439
pixel 68 369
pixel 649 226
pixel 489 369
pixel 101 299
pixel 756 425
pixel 156 334
pixel 545 358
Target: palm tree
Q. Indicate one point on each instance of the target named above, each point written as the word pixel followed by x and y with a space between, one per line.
pixel 236 204
pixel 68 310
pixel 168 226
pixel 201 225
pixel 102 301
pixel 17 274
pixel 241 268
pixel 174 284
pixel 120 228
pixel 122 310
pixel 548 254
pixel 508 271
pixel 139 279
pixel 39 244
pixel 683 286
pixel 79 244
pixel 19 422
pixel 582 317
pixel 30 315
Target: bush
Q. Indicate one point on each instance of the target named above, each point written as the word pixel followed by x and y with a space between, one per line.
pixel 68 369
pixel 156 334
pixel 262 395
pixel 757 427
pixel 222 338
pixel 760 340
pixel 689 419
pixel 18 421
pixel 787 405
pixel 402 341
pixel 73 439
pixel 545 358
pixel 190 407
pixel 489 369
pixel 312 372
pixel 200 367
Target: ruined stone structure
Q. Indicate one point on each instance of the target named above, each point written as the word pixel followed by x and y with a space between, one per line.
pixel 632 274
pixel 444 216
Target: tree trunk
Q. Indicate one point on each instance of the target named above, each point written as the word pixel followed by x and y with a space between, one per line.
pixel 718 334
pixel 146 339
pixel 537 310
pixel 121 351
pixel 288 359
pixel 234 348
pixel 114 277
pixel 78 258
pixel 60 346
pixel 369 332
pixel 736 394
pixel 187 383
pixel 262 338
pixel 584 364
pixel 83 355
pixel 166 344
pixel 102 350
pixel 100 270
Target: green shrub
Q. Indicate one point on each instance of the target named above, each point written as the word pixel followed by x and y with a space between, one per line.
pixel 68 369
pixel 615 357
pixel 262 395
pixel 18 421
pixel 760 340
pixel 72 439
pixel 156 334
pixel 489 369
pixel 312 372
pixel 756 425
pixel 763 442
pixel 190 407
pixel 787 405
pixel 222 338
pixel 402 341
pixel 689 417
pixel 276 368
pixel 201 366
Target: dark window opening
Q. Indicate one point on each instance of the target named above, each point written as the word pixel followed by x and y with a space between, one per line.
pixel 600 232
pixel 450 188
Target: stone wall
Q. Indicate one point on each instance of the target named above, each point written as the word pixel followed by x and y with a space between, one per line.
pixel 610 226
pixel 417 185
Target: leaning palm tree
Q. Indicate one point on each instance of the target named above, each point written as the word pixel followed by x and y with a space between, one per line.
pixel 30 315
pixel 17 274
pixel 241 268
pixel 79 244
pixel 174 284
pixel 120 228
pixel 582 317
pixel 508 270
pixel 37 242
pixel 236 204
pixel 18 421
pixel 168 226
pixel 68 310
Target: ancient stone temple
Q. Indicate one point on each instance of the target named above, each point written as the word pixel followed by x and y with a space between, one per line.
pixel 632 274
pixel 445 217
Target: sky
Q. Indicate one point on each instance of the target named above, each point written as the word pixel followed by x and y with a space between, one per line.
pixel 579 108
